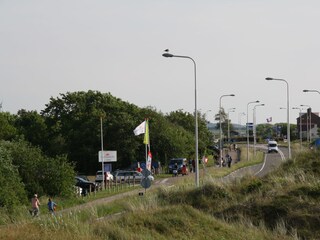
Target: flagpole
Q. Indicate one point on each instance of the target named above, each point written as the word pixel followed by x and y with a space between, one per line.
pixel 102 157
pixel 146 156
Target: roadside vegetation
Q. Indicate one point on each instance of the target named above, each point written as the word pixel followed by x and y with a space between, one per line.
pixel 43 152
pixel 282 205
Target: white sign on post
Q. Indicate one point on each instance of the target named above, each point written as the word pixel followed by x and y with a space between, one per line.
pixel 107 156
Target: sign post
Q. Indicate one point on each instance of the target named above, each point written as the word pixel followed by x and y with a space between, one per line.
pixel 107 156
pixel 145 182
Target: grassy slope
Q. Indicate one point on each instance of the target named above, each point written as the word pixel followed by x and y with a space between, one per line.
pixel 284 205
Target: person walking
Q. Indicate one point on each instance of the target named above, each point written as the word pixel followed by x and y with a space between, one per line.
pixel 229 159
pixel 51 206
pixel 35 204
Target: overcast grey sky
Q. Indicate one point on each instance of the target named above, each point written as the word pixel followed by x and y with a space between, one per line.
pixel 59 46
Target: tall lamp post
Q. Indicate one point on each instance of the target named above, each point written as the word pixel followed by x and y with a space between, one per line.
pixel 169 55
pixel 227 95
pixel 288 111
pixel 254 128
pixel 300 127
pixel 307 90
pixel 308 122
pixel 247 129
pixel 229 111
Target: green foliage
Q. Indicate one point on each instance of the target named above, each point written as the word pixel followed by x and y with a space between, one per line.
pixel 12 191
pixel 187 122
pixel 250 184
pixel 73 125
pixel 57 177
pixel 7 129
pixel 307 191
pixel 31 125
pixel 42 175
pixel 266 131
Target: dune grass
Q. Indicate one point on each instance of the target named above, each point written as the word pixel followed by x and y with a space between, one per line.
pixel 282 205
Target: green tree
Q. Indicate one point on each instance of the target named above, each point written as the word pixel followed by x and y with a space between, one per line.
pixel 224 121
pixel 51 176
pixel 187 122
pixel 32 126
pixel 7 129
pixel 12 191
pixel 74 123
pixel 265 131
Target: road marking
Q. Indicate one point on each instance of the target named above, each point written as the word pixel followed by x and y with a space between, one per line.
pixel 263 165
pixel 265 160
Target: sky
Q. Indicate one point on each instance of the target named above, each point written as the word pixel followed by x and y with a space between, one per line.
pixel 51 47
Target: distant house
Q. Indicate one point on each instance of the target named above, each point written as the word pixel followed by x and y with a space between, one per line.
pixel 310 122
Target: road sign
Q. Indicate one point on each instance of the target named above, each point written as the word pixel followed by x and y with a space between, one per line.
pixel 145 182
pixel 146 173
pixel 250 126
pixel 107 156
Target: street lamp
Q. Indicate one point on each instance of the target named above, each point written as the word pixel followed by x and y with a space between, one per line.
pixel 247 130
pixel 169 55
pixel 300 127
pixel 288 109
pixel 308 122
pixel 229 111
pixel 228 95
pixel 306 90
pixel 254 128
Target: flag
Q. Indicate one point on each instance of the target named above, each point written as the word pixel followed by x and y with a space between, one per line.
pixel 269 119
pixel 149 160
pixel 146 134
pixel 140 129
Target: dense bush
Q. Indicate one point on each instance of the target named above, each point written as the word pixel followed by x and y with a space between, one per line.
pixel 40 174
pixel 12 191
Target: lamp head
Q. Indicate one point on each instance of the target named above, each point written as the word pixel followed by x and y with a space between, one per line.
pixel 269 78
pixel 232 95
pixel 167 55
pixel 305 90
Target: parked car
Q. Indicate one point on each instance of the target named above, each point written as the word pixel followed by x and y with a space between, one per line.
pixel 84 177
pixel 177 163
pixel 84 184
pixel 99 177
pixel 129 176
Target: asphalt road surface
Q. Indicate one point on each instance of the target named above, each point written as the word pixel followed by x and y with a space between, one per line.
pixel 271 162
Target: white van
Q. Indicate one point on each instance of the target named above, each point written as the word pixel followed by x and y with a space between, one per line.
pixel 272 146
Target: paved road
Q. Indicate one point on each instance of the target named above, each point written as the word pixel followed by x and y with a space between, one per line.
pixel 271 161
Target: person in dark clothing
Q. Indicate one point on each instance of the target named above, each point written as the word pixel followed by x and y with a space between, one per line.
pixel 229 161
pixel 51 206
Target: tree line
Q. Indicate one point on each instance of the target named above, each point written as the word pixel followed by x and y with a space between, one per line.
pixel 42 152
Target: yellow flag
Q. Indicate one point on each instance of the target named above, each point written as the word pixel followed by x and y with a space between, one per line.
pixel 146 134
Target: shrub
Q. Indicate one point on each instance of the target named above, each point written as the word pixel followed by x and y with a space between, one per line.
pixel 12 189
pixel 250 185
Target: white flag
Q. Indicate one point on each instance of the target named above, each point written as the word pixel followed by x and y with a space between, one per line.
pixel 140 129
